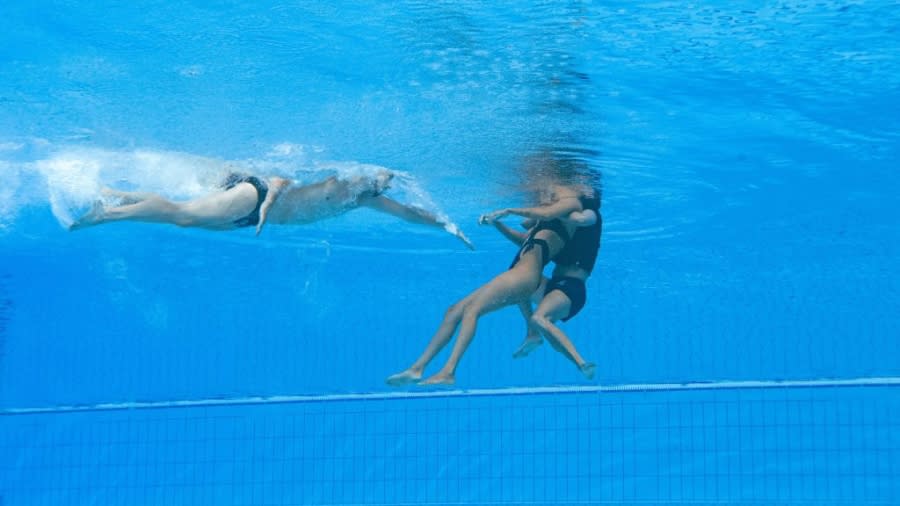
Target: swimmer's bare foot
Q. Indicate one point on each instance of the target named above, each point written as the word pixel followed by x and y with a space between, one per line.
pixel 125 198
pixel 588 369
pixel 92 217
pixel 440 378
pixel 527 346
pixel 404 378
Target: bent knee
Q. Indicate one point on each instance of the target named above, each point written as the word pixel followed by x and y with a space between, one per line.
pixel 455 310
pixel 541 320
pixel 472 311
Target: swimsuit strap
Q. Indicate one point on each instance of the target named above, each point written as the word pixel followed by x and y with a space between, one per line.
pixel 556 226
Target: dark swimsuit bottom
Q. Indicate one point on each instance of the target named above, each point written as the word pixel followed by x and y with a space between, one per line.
pixel 573 288
pixel 262 190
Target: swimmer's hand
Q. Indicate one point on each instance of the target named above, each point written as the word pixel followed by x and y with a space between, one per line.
pixel 276 185
pixel 453 229
pixel 489 218
pixel 263 212
pixel 464 239
pixel 262 220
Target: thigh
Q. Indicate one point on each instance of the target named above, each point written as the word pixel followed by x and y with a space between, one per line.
pixel 554 306
pixel 224 206
pixel 538 295
pixel 462 303
pixel 510 287
pixel 471 297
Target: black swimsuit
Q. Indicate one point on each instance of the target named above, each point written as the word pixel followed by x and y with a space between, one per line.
pixel 262 190
pixel 573 288
pixel 555 226
pixel 581 251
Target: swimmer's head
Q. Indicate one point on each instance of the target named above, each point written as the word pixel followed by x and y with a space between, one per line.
pixel 545 193
pixel 544 171
pixel 383 180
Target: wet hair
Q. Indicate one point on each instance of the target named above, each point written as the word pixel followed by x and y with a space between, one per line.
pixel 564 166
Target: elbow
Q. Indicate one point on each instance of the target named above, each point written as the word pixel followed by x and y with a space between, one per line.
pixel 583 222
pixel 586 218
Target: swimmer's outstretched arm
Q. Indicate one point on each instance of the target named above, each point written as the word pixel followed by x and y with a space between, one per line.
pixel 584 218
pixel 515 236
pixel 413 215
pixel 276 186
pixel 558 209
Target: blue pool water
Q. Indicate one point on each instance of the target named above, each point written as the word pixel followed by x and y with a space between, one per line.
pixel 748 153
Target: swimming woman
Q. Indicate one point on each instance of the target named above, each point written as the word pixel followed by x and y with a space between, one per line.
pixel 544 241
pixel 246 201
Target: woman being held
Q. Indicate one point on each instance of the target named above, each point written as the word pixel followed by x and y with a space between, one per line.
pixel 544 241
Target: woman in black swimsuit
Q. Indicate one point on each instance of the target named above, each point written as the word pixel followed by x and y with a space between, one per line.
pixel 545 240
pixel 564 294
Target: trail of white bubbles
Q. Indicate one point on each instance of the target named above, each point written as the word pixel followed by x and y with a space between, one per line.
pixel 69 179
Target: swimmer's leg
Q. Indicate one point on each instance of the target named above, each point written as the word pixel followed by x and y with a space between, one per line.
pixel 510 287
pixel 533 335
pixel 93 217
pixel 215 211
pixel 126 198
pixel 440 339
pixel 153 208
pixel 404 377
pixel 588 369
pixel 555 306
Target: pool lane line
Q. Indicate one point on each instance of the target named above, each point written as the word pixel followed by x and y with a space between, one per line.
pixel 436 392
